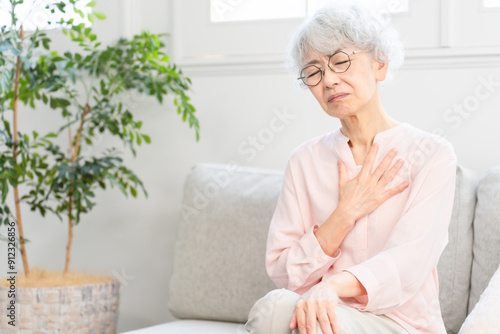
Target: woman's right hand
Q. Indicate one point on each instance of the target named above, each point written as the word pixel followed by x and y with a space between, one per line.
pixel 362 194
pixel 317 305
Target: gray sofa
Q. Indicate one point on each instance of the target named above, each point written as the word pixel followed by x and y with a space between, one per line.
pixel 219 269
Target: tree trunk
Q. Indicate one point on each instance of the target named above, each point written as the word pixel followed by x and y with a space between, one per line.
pixel 74 154
pixel 16 140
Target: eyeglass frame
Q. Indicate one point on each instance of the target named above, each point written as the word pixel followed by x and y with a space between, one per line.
pixel 322 71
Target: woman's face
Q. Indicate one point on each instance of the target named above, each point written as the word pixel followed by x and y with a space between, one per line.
pixel 359 83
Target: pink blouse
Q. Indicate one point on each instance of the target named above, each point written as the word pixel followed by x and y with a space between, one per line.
pixel 394 250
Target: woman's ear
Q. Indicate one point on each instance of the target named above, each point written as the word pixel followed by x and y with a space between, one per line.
pixel 380 70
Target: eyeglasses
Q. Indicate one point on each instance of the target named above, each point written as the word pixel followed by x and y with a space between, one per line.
pixel 339 62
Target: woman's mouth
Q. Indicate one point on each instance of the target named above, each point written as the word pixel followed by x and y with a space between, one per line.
pixel 337 97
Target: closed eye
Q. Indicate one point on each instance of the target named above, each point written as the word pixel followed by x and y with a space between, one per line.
pixel 313 74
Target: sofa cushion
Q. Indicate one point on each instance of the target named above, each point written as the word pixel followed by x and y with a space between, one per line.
pixel 484 318
pixel 486 247
pixel 219 263
pixel 193 327
pixel 454 268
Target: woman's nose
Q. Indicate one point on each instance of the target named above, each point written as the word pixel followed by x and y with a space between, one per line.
pixel 330 77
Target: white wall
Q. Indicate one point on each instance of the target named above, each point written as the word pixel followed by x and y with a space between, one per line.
pixel 137 236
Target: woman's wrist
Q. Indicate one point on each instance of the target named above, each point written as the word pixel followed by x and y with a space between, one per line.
pixel 333 231
pixel 347 215
pixel 334 284
pixel 346 284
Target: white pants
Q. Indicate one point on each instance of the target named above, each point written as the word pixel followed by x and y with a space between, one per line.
pixel 272 315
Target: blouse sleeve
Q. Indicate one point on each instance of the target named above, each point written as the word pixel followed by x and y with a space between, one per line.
pixel 294 258
pixel 412 251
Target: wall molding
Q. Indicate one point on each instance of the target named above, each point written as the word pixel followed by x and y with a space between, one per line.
pixel 438 58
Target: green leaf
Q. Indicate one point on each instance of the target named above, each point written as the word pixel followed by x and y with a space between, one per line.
pixel 5 190
pixel 122 188
pixel 5 45
pixel 133 191
pixel 79 12
pixel 90 205
pixel 146 138
pixel 60 6
pixel 91 4
pixel 99 15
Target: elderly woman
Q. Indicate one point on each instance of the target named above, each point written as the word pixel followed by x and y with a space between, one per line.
pixel 362 217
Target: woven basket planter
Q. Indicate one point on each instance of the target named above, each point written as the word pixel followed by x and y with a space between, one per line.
pixel 80 309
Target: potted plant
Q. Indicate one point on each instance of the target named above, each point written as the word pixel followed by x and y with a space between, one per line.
pixel 84 88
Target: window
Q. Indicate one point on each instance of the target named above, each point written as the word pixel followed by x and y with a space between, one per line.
pixel 241 10
pixel 491 3
pixel 391 6
pixel 33 14
pixel 244 10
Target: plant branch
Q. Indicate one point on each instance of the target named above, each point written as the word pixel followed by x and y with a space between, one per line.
pixel 16 140
pixel 74 154
pixel 86 110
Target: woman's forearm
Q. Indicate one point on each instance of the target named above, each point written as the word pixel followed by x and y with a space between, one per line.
pixel 333 231
pixel 346 285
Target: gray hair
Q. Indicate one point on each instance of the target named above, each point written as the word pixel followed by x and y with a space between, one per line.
pixel 341 25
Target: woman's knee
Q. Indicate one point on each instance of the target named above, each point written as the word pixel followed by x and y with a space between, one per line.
pixel 352 320
pixel 272 313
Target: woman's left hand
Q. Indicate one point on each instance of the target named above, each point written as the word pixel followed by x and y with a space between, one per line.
pixel 320 303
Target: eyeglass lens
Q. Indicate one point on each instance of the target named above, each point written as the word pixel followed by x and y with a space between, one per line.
pixel 339 62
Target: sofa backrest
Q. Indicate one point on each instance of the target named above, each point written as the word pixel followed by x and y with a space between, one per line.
pixel 454 267
pixel 219 269
pixel 486 247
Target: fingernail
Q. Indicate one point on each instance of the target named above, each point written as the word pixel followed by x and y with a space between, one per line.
pixel 338 163
pixel 394 150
